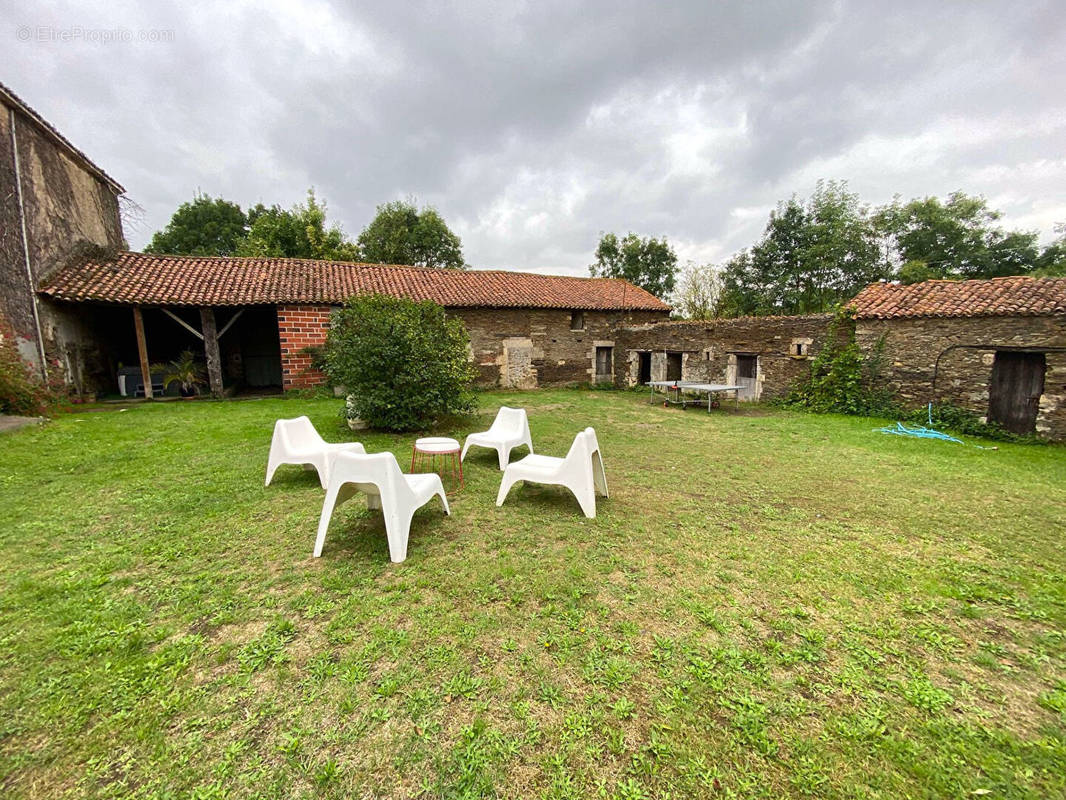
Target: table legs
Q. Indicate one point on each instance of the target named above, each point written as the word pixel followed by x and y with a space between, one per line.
pixel 419 457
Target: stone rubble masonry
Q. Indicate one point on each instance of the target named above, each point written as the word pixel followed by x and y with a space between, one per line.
pixel 709 348
pixel 516 348
pixel 911 348
pixel 66 207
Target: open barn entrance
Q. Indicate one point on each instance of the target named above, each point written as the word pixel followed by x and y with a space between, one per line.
pixel 1015 389
pixel 249 347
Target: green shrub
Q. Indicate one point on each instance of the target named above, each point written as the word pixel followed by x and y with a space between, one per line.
pixel 842 379
pixel 21 392
pixel 405 364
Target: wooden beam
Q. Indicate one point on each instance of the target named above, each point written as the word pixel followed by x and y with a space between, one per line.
pixel 232 319
pixel 142 351
pixel 214 360
pixel 183 323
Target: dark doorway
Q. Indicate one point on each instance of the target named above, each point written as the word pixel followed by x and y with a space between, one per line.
pixel 252 349
pixel 604 364
pixel 1015 389
pixel 673 366
pixel 747 370
pixel 643 368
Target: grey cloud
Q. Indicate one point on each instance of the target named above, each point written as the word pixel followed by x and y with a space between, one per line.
pixel 534 126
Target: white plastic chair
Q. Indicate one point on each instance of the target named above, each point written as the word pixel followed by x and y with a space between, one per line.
pixel 510 429
pixel 297 442
pixel 581 472
pixel 378 476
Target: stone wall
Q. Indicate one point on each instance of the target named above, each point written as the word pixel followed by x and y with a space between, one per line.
pixel 526 348
pixel 517 348
pixel 66 208
pixel 783 346
pixel 912 346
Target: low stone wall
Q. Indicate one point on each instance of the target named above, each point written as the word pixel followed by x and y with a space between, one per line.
pixel 782 347
pixel 912 347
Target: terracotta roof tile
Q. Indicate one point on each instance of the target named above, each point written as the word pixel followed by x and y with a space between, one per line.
pixel 995 297
pixel 197 281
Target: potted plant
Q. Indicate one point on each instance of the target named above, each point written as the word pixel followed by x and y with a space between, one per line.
pixel 186 370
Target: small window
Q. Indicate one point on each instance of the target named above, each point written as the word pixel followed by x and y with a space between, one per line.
pixel 577 320
pixel 604 362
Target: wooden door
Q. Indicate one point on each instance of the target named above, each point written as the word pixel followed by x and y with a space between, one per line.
pixel 747 370
pixel 673 366
pixel 1015 389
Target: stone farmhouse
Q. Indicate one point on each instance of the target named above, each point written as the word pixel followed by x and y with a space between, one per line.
pixel 85 311
pixel 996 347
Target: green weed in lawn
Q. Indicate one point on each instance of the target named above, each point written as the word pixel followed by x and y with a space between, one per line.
pixel 770 604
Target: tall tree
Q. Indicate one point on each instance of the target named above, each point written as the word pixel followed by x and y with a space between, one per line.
pixel 300 232
pixel 1052 261
pixel 401 234
pixel 205 226
pixel 956 239
pixel 811 256
pixel 698 291
pixel 649 263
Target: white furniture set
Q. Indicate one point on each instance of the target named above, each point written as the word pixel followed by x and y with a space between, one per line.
pixel 346 469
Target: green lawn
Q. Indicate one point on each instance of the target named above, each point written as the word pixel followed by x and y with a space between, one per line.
pixel 770 604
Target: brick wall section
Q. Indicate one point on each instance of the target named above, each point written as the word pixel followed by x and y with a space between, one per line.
pixel 300 327
pixel 912 346
pixel 709 349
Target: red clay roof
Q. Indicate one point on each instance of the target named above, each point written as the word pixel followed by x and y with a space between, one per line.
pixel 1015 295
pixel 197 281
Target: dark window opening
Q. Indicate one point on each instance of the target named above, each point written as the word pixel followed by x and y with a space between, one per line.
pixel 577 320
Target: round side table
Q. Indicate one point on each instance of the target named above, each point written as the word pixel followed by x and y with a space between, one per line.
pixel 438 449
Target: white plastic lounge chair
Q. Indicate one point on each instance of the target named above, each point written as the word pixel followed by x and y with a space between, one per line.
pixel 297 442
pixel 378 476
pixel 581 472
pixel 510 429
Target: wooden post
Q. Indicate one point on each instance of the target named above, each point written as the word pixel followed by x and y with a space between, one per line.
pixel 142 350
pixel 214 360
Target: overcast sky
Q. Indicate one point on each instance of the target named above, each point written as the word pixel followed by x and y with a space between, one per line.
pixel 533 127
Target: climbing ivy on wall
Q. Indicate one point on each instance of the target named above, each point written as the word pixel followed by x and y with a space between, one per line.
pixel 842 378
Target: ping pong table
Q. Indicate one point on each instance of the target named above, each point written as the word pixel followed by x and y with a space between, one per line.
pixel 678 387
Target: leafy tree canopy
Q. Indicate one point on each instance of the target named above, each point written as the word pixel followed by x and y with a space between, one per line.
pixel 300 232
pixel 1052 262
pixel 812 256
pixel 401 234
pixel 954 239
pixel 648 263
pixel 698 292
pixel 405 364
pixel 205 226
